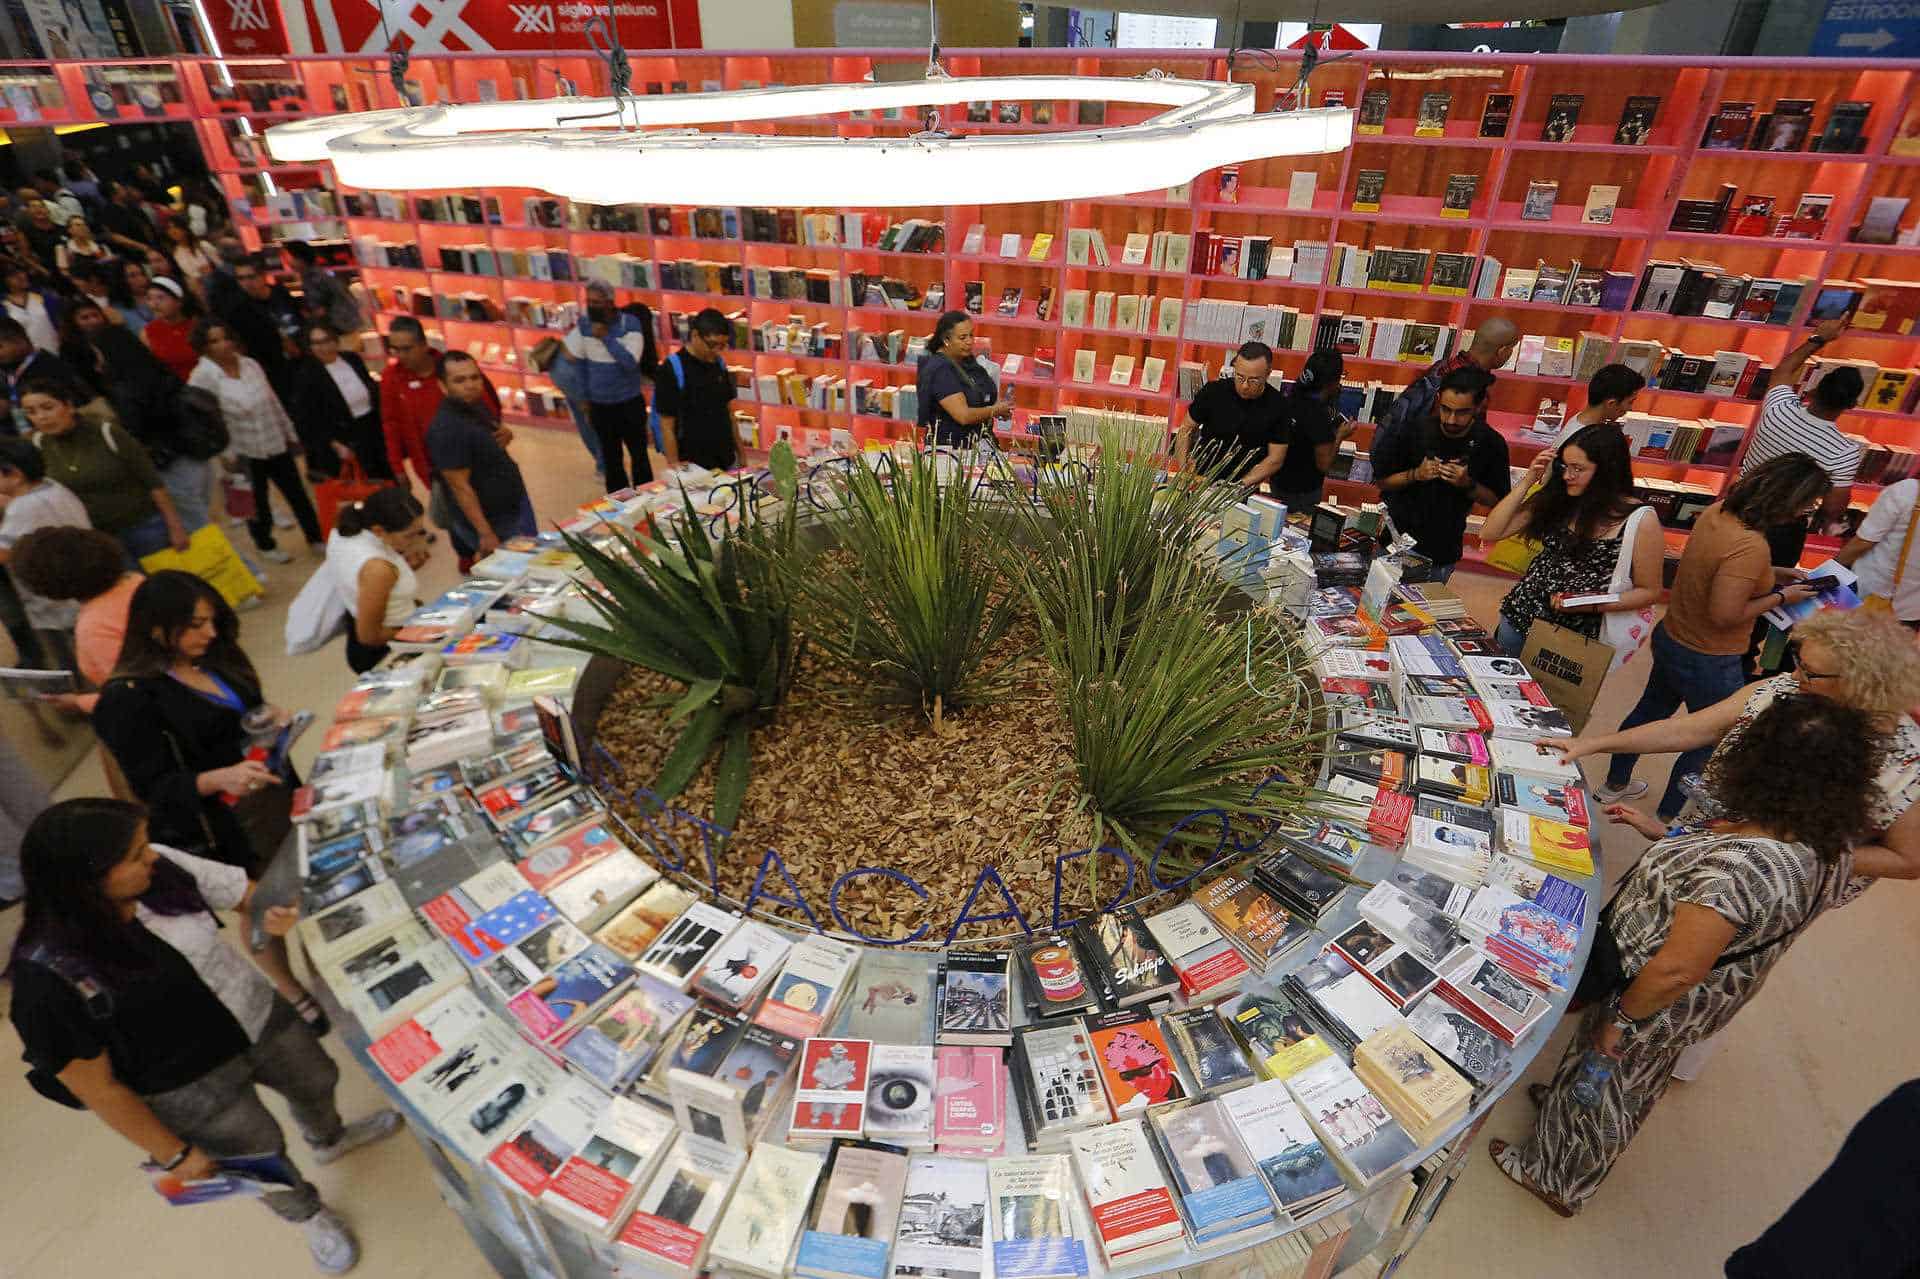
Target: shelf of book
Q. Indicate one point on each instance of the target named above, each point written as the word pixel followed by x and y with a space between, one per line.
pixel 1446 185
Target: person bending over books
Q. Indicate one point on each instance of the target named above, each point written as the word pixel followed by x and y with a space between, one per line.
pixel 375 546
pixel 172 714
pixel 1861 660
pixel 1700 921
pixel 1725 581
pixel 128 1004
pixel 1578 501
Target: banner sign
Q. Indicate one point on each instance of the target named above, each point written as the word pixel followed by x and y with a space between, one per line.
pixel 250 27
pixel 509 26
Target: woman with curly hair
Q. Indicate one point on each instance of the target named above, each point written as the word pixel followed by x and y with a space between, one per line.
pixel 1703 918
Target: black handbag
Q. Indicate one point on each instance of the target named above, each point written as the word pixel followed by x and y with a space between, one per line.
pixel 200 428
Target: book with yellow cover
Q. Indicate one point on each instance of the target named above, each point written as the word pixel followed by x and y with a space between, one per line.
pixel 1558 846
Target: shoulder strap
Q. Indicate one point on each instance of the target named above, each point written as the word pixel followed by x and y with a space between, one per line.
pixel 679 374
pixel 1826 876
pixel 106 433
pixel 97 999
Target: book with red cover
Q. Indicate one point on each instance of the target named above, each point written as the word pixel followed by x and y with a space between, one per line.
pixel 830 1097
pixel 1136 1066
pixel 568 854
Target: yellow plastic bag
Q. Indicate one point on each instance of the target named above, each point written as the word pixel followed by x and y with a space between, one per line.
pixel 1513 554
pixel 211 558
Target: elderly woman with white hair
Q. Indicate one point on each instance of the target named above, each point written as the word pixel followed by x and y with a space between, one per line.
pixel 612 351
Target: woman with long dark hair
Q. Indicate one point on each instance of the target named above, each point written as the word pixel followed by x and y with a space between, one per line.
pixel 957 396
pixel 1725 581
pixel 1701 921
pixel 173 715
pixel 375 546
pixel 1581 509
pixel 129 1003
pixel 1315 431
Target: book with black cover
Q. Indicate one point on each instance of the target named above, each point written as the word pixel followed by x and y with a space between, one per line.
pixel 1728 128
pixel 1457 200
pixel 1373 112
pixel 1496 115
pixel 1432 120
pixel 1636 120
pixel 1563 117
pixel 1123 953
pixel 1846 130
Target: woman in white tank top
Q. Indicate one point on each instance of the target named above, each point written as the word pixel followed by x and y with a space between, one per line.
pixel 374 548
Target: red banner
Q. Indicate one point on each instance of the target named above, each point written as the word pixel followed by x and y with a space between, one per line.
pixel 251 27
pixel 509 26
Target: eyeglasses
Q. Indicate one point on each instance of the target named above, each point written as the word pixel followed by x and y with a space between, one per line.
pixel 1576 468
pixel 1804 671
pixel 1255 380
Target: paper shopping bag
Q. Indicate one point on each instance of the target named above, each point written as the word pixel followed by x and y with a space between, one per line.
pixel 211 558
pixel 1568 666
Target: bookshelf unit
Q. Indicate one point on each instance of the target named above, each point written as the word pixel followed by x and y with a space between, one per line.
pixel 229 101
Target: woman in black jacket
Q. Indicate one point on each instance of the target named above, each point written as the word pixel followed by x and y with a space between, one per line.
pixel 334 399
pixel 171 714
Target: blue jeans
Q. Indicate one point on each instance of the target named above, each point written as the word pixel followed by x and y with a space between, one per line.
pixel 1441 572
pixel 188 482
pixel 1509 637
pixel 465 540
pixel 1680 675
pixel 578 412
pixel 145 538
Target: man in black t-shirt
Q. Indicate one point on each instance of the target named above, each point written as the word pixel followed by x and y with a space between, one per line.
pixel 692 394
pixel 1433 472
pixel 469 451
pixel 1241 421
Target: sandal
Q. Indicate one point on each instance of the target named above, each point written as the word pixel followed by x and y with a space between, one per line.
pixel 313 1014
pixel 1537 1094
pixel 1500 1152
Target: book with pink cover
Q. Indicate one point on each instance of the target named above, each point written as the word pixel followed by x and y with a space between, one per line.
pixel 970 1099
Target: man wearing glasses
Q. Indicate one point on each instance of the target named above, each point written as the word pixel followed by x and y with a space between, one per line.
pixel 1437 469
pixel 693 395
pixel 1242 422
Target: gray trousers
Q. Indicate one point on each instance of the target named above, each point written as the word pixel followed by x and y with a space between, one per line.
pixel 22 797
pixel 221 1112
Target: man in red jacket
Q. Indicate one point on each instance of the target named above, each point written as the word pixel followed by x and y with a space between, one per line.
pixel 410 394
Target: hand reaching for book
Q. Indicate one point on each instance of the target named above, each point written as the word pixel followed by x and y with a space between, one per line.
pixel 1646 823
pixel 278 921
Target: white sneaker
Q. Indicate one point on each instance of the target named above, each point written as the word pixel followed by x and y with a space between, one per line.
pixel 250 603
pixel 331 1244
pixel 277 555
pixel 1608 795
pixel 282 520
pixel 361 1132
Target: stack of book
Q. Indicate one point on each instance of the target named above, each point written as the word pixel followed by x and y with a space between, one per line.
pixel 757 1232
pixel 1259 926
pixel 1208 965
pixel 1353 1126
pixel 1415 1082
pixel 1221 1194
pixel 1034 1233
pixel 1299 1172
pixel 854 1213
pixel 675 1214
pixel 975 999
pixel 1528 921
pixel 970 1101
pixel 1302 886
pixel 1134 1218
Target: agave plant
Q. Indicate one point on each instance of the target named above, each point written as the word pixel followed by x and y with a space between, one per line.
pixel 1092 542
pixel 919 611
pixel 713 613
pixel 1175 703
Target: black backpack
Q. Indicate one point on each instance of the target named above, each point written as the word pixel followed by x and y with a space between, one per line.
pixel 98 1001
pixel 200 428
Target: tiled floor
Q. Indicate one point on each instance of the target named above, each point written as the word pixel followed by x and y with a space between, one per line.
pixel 1716 1163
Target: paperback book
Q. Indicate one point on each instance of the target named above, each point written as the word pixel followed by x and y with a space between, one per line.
pixel 830 1099
pixel 756 1232
pixel 1299 1172
pixel 853 1218
pixel 975 999
pixel 943 1220
pixel 1033 1230
pixel 1134 1218
pixel 676 1212
pixel 1221 1193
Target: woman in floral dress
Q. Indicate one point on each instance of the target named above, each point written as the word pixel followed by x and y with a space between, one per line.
pixel 1703 918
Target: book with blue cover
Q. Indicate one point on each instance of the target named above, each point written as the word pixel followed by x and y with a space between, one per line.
pixel 513 920
pixel 1219 1186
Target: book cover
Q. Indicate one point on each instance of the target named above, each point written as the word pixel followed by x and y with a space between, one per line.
pixel 1260 927
pixel 591 897
pixel 970 1098
pixel 684 1197
pixel 635 927
pixel 684 945
pixel 1129 963
pixel 1636 120
pixel 1601 203
pixel 1298 1169
pixel 1128 1198
pixel 891 997
pixel 809 987
pixel 943 1218
pixel 900 1095
pixel 740 967
pixel 620 1040
pixel 1053 977
pixel 1432 120
pixel 1496 115
pixel 1060 1082
pixel 854 1214
pixel 1457 200
pixel 1135 1065
pixel 1205 1051
pixel 1349 1120
pixel 975 1000
pixel 529 1159
pixel 1367 189
pixel 1221 1191
pixel 1033 1232
pixel 768 1208
pixel 1537 206
pixel 570 993
pixel 831 1096
pixel 1563 117
pixel 600 1180
pixel 1372 114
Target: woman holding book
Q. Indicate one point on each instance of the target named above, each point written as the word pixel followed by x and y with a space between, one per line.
pixel 1726 580
pixel 956 395
pixel 129 1004
pixel 1701 920
pixel 1577 500
pixel 375 546
pixel 174 715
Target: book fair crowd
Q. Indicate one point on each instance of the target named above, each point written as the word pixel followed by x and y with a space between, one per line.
pixel 167 384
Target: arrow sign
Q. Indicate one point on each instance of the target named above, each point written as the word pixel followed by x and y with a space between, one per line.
pixel 1869 29
pixel 1872 41
pixel 1334 37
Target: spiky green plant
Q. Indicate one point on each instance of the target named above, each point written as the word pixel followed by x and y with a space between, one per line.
pixel 713 613
pixel 915 608
pixel 1096 536
pixel 1176 705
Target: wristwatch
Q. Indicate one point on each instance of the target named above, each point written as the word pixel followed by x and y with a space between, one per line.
pixel 178 1159
pixel 1623 1023
pixel 1814 339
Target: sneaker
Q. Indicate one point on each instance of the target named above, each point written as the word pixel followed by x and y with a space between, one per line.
pixel 317 550
pixel 331 1244
pixel 1608 794
pixel 275 554
pixel 282 520
pixel 250 603
pixel 379 1125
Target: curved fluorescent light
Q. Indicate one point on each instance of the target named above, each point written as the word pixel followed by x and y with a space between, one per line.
pixel 542 145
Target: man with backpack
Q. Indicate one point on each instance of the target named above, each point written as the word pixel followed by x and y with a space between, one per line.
pixel 692 396
pixel 611 352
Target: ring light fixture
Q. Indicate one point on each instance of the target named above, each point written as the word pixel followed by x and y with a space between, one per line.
pixel 648 151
